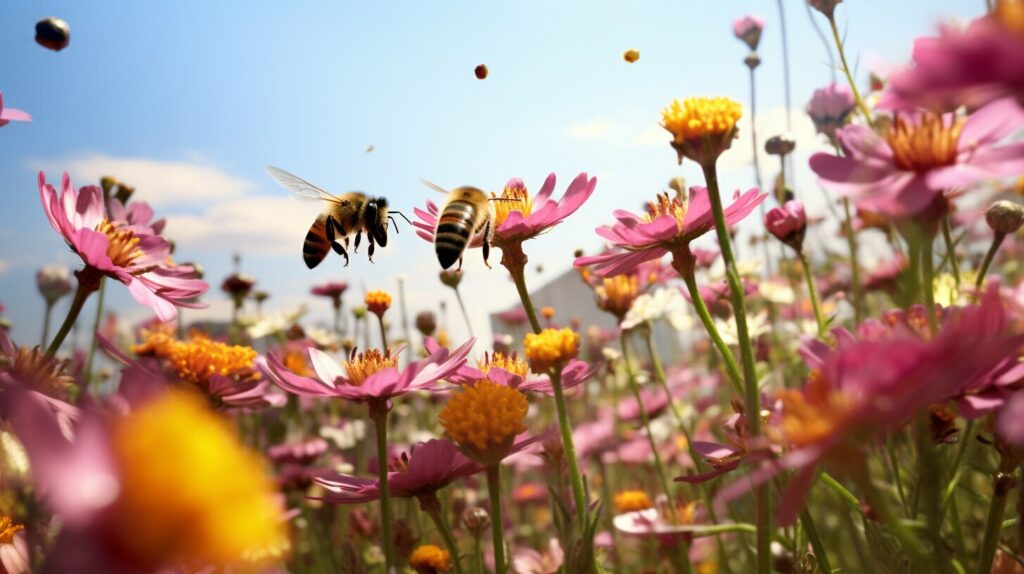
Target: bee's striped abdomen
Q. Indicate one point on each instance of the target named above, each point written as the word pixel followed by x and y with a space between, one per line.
pixel 316 246
pixel 454 230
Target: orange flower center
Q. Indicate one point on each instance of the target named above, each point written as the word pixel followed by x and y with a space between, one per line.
pixel 810 415
pixel 360 366
pixel 8 528
pixel 616 294
pixel 928 144
pixel 40 371
pixel 1010 13
pixel 197 360
pixel 675 207
pixel 511 199
pixel 631 501
pixel 511 363
pixel 123 246
pixel 156 341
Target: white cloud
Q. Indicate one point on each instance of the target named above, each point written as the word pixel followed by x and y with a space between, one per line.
pixel 258 224
pixel 159 182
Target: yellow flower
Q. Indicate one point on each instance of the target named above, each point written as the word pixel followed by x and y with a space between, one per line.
pixel 196 360
pixel 484 419
pixel 360 366
pixel 429 559
pixel 701 128
pixel 156 341
pixel 8 528
pixel 377 302
pixel 190 489
pixel 511 363
pixel 514 197
pixel 551 348
pixel 631 501
pixel 616 294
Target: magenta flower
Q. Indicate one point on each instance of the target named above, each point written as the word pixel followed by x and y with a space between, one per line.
pixel 921 158
pixel 332 290
pixel 370 376
pixel 8 115
pixel 139 260
pixel 830 108
pixel 748 29
pixel 668 227
pixel 971 66
pixel 135 216
pixel 788 223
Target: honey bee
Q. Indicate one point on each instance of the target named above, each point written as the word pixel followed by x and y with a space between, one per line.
pixel 346 214
pixel 465 219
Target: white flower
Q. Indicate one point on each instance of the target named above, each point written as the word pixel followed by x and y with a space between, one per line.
pixel 323 337
pixel 776 292
pixel 346 436
pixel 666 303
pixel 262 326
pixel 756 326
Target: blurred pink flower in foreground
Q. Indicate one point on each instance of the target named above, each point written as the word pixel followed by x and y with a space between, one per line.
pixel 971 66
pixel 922 157
pixel 139 260
pixel 365 377
pixel 830 108
pixel 8 115
pixel 668 227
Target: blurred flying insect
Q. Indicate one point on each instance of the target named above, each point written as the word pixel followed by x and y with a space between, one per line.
pixel 467 219
pixel 346 214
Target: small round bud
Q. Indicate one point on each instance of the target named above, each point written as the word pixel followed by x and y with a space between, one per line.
pixel 451 278
pixel 359 312
pixel 426 323
pixel 577 254
pixel 53 33
pixel 54 282
pixel 782 144
pixel 480 72
pixel 752 60
pixel 631 55
pixel 476 520
pixel 826 7
pixel 547 312
pixel 1005 216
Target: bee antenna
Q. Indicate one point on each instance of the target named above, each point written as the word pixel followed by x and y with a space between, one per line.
pixel 502 199
pixel 392 220
pixel 400 214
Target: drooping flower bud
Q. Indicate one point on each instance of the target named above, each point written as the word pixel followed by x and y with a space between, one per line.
pixel 782 144
pixel 54 282
pixel 426 323
pixel 748 29
pixel 451 278
pixel 788 224
pixel 826 7
pixel 1005 216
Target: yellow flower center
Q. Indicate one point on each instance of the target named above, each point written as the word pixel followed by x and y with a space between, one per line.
pixel 156 341
pixel 295 361
pixel 484 419
pixel 551 348
pixel 360 366
pixel 42 372
pixel 511 363
pixel 632 501
pixel 810 415
pixel 1010 13
pixel 8 528
pixel 189 488
pixel 928 144
pixel 694 118
pixel 675 207
pixel 616 294
pixel 429 559
pixel 377 302
pixel 198 359
pixel 123 246
pixel 511 199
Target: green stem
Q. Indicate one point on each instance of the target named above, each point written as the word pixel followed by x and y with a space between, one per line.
pixel 851 243
pixel 383 333
pixel 437 516
pixel 816 544
pixel 996 242
pixel 87 374
pixel 497 524
pixel 947 234
pixel 967 438
pixel 46 323
pixel 753 398
pixel 846 70
pixel 575 478
pixel 931 489
pixel 907 540
pixel 379 414
pixel 81 294
pixel 1001 483
pixel 731 368
pixel 812 290
pixel 897 476
pixel 462 307
pixel 928 278
pixel 518 277
pixel 659 374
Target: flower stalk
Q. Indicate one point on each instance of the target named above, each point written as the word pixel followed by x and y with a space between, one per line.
pixel 379 416
pixel 565 427
pixel 861 106
pixel 812 291
pixel 497 521
pixel 88 281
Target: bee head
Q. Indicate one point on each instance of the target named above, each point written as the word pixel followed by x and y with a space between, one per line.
pixel 377 220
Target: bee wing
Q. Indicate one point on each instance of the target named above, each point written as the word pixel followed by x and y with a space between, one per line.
pixel 300 188
pixel 434 186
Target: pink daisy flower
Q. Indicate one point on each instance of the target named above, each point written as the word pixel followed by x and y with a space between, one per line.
pixel 668 227
pixel 921 157
pixel 139 260
pixel 788 223
pixel 332 290
pixel 512 371
pixel 8 115
pixel 748 29
pixel 830 108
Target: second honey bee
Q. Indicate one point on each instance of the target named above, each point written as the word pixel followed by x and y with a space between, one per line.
pixel 465 220
pixel 347 214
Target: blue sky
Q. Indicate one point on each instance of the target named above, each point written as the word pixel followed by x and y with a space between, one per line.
pixel 189 99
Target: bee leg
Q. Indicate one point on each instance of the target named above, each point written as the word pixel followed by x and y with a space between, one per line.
pixel 359 238
pixel 487 243
pixel 369 250
pixel 329 229
pixel 340 250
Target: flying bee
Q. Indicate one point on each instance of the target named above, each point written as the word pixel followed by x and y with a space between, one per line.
pixel 467 219
pixel 346 214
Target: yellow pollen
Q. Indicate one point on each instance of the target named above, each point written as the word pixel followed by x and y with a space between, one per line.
pixel 511 199
pixel 122 248
pixel 295 362
pixel 631 501
pixel 695 118
pixel 200 358
pixel 686 513
pixel 929 144
pixel 33 367
pixel 8 528
pixel 551 348
pixel 1010 13
pixel 484 419
pixel 675 207
pixel 360 366
pixel 156 341
pixel 430 559
pixel 616 294
pixel 189 488
pixel 810 415
pixel 511 363
pixel 377 302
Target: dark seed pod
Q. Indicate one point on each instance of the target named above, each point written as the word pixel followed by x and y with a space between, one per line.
pixel 53 33
pixel 481 72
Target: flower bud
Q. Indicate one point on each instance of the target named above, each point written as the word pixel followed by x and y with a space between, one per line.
pixel 476 520
pixel 788 224
pixel 752 60
pixel 748 29
pixel 54 282
pixel 451 278
pixel 53 33
pixel 480 72
pixel 551 349
pixel 826 7
pixel 426 323
pixel 782 144
pixel 1005 216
